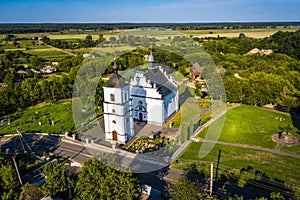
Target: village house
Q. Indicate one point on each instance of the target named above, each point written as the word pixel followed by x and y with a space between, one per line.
pixel 48 69
pixel 3 85
pixel 196 71
pixel 22 72
pixel 262 51
pixel 54 63
pixel 35 71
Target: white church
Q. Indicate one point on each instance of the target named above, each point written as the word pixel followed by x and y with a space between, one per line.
pixel 151 97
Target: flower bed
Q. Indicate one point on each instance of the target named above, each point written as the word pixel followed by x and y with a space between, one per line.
pixel 145 144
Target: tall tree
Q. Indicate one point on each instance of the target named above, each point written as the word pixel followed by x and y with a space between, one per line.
pixel 56 181
pixel 98 181
pixel 31 192
pixel 185 189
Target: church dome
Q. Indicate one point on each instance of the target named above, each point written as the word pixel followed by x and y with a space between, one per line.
pixel 116 81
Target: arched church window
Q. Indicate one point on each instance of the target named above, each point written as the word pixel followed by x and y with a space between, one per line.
pixel 140 108
pixel 112 97
pixel 140 102
pixel 113 110
pixel 114 122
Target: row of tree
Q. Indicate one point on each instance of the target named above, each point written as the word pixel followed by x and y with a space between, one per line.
pixel 54 27
pixel 89 42
pixel 86 43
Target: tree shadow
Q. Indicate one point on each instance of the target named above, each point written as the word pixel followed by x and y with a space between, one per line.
pixel 255 184
pixel 295 117
pixel 31 143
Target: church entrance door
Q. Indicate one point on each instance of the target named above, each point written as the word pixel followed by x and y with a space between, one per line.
pixel 140 117
pixel 114 135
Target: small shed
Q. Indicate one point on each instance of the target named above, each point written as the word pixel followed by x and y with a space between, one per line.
pixel 196 71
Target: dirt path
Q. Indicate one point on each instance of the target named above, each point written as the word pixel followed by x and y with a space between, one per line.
pixel 275 151
pixel 58 49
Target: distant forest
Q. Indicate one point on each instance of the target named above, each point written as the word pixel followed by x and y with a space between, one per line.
pixel 15 28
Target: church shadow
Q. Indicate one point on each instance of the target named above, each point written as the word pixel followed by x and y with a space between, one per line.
pixel 184 96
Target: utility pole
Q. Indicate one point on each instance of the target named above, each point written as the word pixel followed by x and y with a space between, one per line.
pixel 17 170
pixel 211 178
pixel 217 169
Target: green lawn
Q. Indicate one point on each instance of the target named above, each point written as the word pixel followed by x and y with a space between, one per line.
pixel 28 121
pixel 252 126
pixel 186 113
pixel 177 76
pixel 183 89
pixel 275 166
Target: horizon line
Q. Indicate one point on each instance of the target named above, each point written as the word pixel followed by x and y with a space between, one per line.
pixel 187 22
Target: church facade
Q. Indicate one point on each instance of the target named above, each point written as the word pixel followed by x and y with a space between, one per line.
pixel 151 96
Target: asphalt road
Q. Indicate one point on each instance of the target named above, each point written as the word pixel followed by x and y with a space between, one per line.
pixel 79 153
pixel 68 149
pixel 74 151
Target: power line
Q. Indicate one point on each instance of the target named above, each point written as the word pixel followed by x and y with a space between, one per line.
pixel 252 179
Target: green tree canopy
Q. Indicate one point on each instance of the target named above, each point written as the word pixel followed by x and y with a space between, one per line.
pixel 98 181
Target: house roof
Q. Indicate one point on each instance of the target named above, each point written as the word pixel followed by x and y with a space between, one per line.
pixel 163 84
pixel 197 67
pixel 21 72
pixel 3 85
pixel 50 68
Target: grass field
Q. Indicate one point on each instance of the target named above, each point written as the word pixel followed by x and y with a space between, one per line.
pixel 275 166
pixel 47 52
pixel 28 121
pixel 252 126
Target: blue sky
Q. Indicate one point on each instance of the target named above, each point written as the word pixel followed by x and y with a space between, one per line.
pixel 148 11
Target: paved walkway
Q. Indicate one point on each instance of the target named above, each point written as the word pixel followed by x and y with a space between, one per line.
pixel 147 130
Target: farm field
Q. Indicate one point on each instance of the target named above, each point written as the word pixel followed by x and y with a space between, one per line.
pixel 255 33
pixel 253 126
pixel 49 53
pixel 275 166
pixel 70 36
pixel 67 35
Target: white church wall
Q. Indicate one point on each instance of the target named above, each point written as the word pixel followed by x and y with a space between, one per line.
pixel 116 108
pixel 170 105
pixel 155 111
pixel 116 123
pixel 152 93
pixel 116 95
